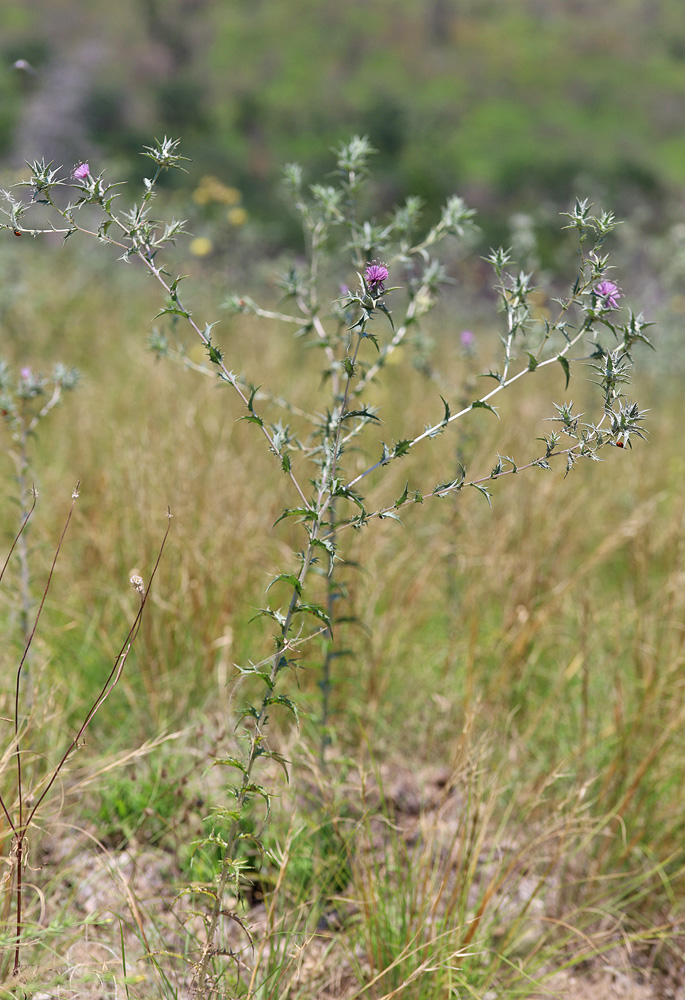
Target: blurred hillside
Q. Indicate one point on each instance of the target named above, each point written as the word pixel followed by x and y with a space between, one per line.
pixel 505 102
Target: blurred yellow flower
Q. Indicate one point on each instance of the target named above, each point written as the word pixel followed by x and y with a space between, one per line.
pixel 201 246
pixel 201 196
pixel 230 195
pixel 237 216
pixel 211 189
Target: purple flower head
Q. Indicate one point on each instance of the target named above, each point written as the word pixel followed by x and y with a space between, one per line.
pixel 608 293
pixel 376 274
pixel 26 374
pixel 81 172
pixel 467 338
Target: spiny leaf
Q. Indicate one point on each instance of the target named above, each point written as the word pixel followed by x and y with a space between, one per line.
pixel 565 365
pixel 401 448
pixel 278 758
pixel 480 405
pixel 325 544
pixel 287 578
pixel 172 311
pixel 348 367
pixel 445 419
pixel 348 494
pixel 306 513
pixel 253 789
pixel 266 677
pixel 277 616
pixel 384 310
pixel 252 418
pixel 249 710
pixel 231 762
pixel 280 699
pixel 366 413
pixel 403 498
pixel 315 610
pixel 486 493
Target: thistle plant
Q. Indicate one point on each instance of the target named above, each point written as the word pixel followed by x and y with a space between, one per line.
pixel 364 291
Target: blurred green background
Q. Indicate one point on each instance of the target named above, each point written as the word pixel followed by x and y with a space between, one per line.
pixel 508 102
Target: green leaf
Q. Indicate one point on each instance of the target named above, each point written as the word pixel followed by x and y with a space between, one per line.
pixel 401 448
pixel 278 758
pixel 480 405
pixel 287 578
pixel 448 487
pixel 326 544
pixel 253 789
pixel 249 710
pixel 496 375
pixel 384 310
pixel 277 616
pixel 172 311
pixel 403 498
pixel 280 699
pixel 445 419
pixel 532 361
pixel 365 413
pixel 565 365
pixel 348 494
pixel 315 610
pixel 306 513
pixel 231 762
pixel 348 367
pixel 486 493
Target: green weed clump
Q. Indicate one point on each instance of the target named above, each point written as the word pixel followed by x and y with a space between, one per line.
pixel 529 828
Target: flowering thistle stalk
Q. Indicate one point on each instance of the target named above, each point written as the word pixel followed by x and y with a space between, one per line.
pixel 354 337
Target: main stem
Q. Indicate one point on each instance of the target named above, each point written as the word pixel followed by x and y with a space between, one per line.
pixel 324 504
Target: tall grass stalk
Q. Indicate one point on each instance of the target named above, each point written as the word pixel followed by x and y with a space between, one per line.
pixel 28 799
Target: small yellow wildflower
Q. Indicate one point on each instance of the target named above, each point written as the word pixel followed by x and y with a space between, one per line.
pixel 237 216
pixel 201 246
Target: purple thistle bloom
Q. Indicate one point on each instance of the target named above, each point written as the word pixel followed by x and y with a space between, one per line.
pixel 26 374
pixel 376 274
pixel 467 338
pixel 608 293
pixel 81 172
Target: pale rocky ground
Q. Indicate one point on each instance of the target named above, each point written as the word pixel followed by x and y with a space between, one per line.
pixel 136 885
